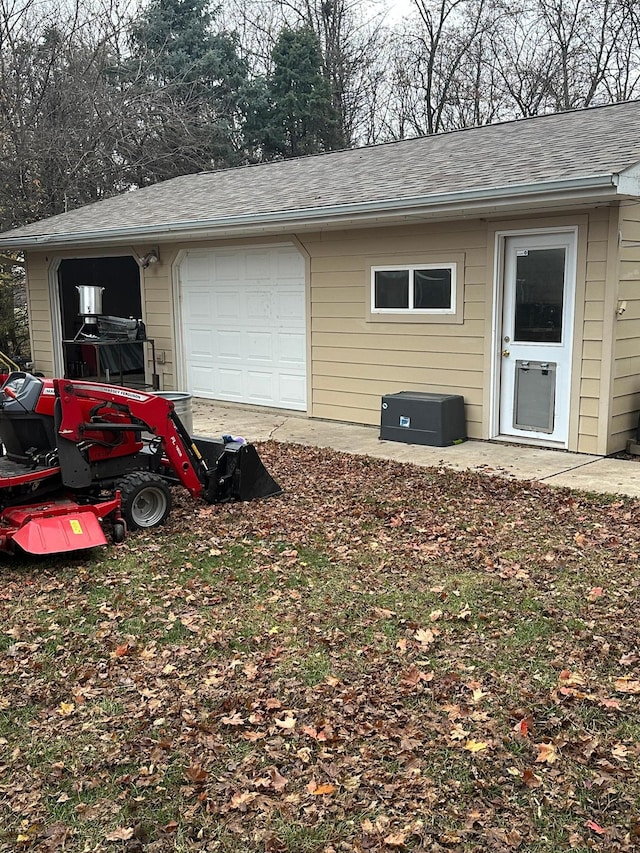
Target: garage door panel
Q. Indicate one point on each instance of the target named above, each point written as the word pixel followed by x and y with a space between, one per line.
pixel 229 344
pixel 293 391
pixel 290 308
pixel 260 387
pixel 288 265
pixel 200 379
pixel 226 307
pixel 198 266
pixel 259 347
pixel 258 265
pixel 244 325
pixel 292 349
pixel 226 266
pixel 258 305
pixel 197 304
pixel 200 345
pixel 230 383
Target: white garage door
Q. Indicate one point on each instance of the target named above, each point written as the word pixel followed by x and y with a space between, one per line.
pixel 244 325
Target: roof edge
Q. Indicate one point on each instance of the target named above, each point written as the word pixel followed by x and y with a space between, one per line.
pixel 463 203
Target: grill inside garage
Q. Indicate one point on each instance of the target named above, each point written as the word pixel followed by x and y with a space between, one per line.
pixel 243 314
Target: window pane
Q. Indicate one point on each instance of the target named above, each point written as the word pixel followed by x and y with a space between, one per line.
pixel 432 288
pixel 392 289
pixel 539 296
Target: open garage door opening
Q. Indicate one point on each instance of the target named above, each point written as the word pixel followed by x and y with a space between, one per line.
pixel 121 298
pixel 244 325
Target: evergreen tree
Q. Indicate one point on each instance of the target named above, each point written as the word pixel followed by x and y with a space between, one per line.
pixel 294 114
pixel 187 86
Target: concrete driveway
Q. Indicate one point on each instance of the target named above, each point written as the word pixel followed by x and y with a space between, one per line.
pixel 554 467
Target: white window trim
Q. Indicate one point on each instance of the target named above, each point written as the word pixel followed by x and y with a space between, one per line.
pixel 410 268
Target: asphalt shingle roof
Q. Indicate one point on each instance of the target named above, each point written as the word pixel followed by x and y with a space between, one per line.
pixel 543 150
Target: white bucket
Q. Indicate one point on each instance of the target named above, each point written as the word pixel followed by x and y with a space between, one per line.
pixel 182 405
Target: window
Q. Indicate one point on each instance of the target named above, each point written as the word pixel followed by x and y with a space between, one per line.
pixel 423 289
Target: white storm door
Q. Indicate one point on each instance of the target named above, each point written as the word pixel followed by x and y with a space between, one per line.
pixel 244 325
pixel 537 333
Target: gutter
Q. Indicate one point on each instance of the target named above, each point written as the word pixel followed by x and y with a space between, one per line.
pixel 464 203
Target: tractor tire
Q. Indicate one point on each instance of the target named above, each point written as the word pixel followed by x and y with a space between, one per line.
pixel 119 532
pixel 146 500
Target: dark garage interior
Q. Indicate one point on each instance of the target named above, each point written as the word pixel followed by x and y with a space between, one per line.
pixel 89 352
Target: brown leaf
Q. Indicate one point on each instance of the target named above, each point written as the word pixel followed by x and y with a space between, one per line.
pixel 546 753
pixel 278 782
pixel 234 720
pixel 530 779
pixel 196 773
pixel 627 685
pixel 396 839
pixel 425 636
pixel 122 833
pixel 413 676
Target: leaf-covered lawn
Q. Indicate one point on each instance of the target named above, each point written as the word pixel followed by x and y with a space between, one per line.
pixel 384 658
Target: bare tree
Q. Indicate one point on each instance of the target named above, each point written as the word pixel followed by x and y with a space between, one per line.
pixel 440 77
pixel 353 44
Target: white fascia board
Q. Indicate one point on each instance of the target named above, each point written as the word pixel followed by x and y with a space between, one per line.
pixel 629 181
pixel 464 204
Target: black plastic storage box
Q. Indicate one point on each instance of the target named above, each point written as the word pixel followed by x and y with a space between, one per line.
pixel 421 418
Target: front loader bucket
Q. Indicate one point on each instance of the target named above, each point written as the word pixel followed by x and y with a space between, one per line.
pixel 235 472
pixel 251 478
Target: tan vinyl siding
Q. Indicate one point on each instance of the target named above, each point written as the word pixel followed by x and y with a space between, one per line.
pixel 593 328
pixel 39 307
pixel 356 359
pixel 626 376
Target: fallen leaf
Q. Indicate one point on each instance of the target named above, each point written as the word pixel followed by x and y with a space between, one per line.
pixel 288 723
pixel 627 685
pixel 595 593
pixel 278 782
pixel 234 720
pixel 396 839
pixel 591 824
pixel 323 789
pixel 122 833
pixel 571 679
pixel 196 773
pixel 241 799
pixel 475 745
pixel 65 709
pixel 530 779
pixel 425 636
pixel 546 753
pixel 413 676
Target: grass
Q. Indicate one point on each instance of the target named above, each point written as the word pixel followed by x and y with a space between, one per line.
pixel 347 667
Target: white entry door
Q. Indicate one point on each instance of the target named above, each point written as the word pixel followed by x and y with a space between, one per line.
pixel 244 325
pixel 536 336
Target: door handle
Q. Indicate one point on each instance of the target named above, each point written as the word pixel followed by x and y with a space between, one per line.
pixel 506 353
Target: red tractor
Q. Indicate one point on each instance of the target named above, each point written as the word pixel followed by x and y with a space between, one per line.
pixel 79 453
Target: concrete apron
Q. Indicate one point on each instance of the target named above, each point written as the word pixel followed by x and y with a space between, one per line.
pixel 554 467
